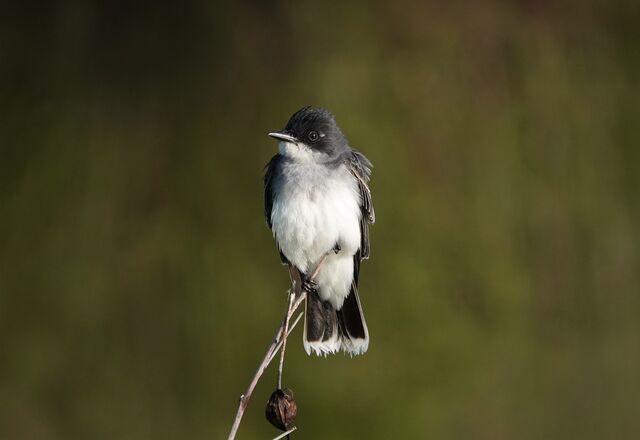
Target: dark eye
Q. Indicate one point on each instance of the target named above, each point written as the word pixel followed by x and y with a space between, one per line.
pixel 313 136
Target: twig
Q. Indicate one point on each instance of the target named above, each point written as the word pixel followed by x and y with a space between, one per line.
pixel 285 333
pixel 285 434
pixel 315 272
pixel 272 350
pixel 284 339
pixel 288 333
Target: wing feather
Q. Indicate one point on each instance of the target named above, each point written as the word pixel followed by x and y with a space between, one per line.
pixel 360 167
pixel 271 170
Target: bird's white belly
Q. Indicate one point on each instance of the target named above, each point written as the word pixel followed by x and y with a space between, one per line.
pixel 310 216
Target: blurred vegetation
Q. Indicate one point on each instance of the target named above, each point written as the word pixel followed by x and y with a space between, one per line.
pixel 139 285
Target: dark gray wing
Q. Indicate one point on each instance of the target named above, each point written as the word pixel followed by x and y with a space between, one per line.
pixel 271 170
pixel 360 167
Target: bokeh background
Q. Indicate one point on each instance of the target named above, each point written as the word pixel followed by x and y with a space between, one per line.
pixel 139 286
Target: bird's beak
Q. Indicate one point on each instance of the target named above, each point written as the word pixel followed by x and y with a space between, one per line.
pixel 281 135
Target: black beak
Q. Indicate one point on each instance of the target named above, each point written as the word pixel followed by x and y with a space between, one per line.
pixel 283 136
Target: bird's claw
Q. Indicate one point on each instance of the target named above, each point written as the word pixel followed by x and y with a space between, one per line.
pixel 310 286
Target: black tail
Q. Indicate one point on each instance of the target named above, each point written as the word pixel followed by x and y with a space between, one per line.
pixel 351 324
pixel 321 333
pixel 328 331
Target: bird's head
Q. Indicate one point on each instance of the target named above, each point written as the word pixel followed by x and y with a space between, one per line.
pixel 311 133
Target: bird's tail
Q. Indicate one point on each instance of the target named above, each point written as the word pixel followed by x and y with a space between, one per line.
pixel 327 330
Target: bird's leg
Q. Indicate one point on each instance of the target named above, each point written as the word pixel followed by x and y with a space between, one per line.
pixel 294 275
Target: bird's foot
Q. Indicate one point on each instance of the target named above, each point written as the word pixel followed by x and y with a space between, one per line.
pixel 337 248
pixel 310 286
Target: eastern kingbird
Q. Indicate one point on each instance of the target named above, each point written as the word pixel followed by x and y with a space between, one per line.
pixel 317 203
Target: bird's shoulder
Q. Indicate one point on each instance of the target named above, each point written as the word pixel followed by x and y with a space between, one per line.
pixel 271 171
pixel 273 166
pixel 360 167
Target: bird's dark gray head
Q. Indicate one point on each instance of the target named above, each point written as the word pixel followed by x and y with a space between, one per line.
pixel 314 129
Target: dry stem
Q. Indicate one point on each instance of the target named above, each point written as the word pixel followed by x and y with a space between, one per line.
pixel 285 434
pixel 278 340
pixel 284 339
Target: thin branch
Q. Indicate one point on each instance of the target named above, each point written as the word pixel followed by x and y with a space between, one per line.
pixel 285 330
pixel 275 352
pixel 314 274
pixel 271 351
pixel 285 434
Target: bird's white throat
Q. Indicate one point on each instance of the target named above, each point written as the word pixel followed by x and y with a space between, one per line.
pixel 299 152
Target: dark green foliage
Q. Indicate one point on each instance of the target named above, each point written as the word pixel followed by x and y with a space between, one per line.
pixel 139 286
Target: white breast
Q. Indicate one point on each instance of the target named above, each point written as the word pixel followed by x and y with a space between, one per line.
pixel 315 208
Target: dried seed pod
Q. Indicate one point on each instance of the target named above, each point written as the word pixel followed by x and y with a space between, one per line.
pixel 281 409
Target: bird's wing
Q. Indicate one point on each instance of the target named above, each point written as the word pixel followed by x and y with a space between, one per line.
pixel 360 167
pixel 269 177
pixel 270 171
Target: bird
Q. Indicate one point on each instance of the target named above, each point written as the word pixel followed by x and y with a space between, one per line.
pixel 318 206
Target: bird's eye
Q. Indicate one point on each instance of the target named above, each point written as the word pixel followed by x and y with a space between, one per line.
pixel 313 136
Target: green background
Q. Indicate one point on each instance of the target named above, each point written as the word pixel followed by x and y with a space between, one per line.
pixel 139 286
